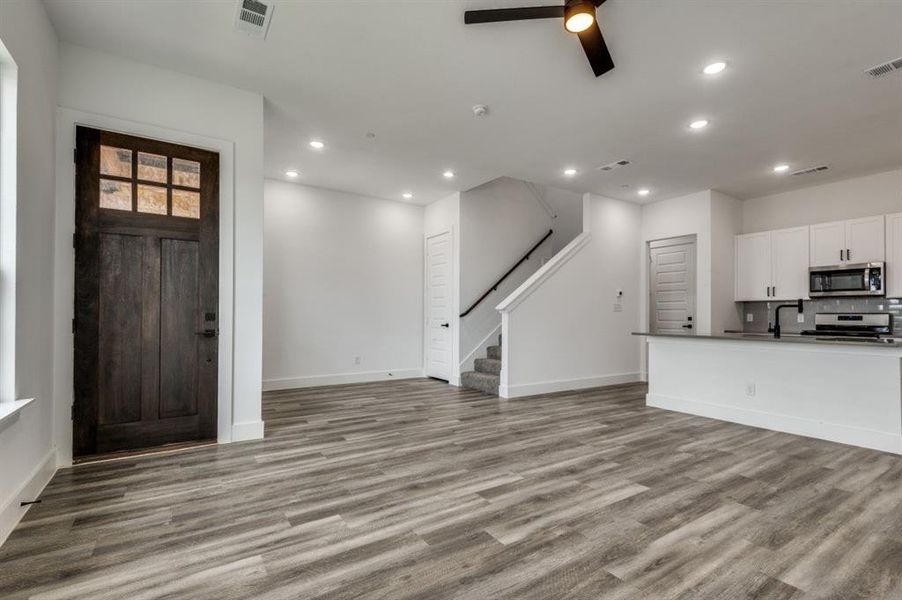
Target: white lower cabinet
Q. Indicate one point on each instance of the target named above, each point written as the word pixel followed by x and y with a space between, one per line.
pixel 772 265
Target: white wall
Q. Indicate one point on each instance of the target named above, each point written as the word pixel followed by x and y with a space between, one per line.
pixel 26 445
pixel 726 223
pixel 686 215
pixel 342 278
pixel 847 199
pixel 440 217
pixel 102 90
pixel 561 328
pixel 499 222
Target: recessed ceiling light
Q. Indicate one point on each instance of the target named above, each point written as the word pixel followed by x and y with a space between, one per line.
pixel 407 195
pixel 570 172
pixel 781 168
pixel 714 68
pixel 448 174
pixel 700 124
pixel 291 173
pixel 317 144
pixel 644 192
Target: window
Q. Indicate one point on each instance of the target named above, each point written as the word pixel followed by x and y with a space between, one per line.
pixel 144 182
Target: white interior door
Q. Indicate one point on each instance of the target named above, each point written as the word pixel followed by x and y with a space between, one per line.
pixel 672 286
pixel 438 306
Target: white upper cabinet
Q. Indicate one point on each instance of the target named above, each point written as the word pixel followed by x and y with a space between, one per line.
pixel 828 244
pixel 865 240
pixel 789 248
pixel 753 266
pixel 894 255
pixel 853 241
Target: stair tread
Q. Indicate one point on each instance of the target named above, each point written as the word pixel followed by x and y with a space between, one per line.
pixel 483 382
pixel 488 365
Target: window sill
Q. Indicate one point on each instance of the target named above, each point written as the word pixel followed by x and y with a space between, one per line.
pixel 10 410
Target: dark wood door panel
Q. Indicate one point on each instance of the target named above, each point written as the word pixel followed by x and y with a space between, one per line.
pixel 146 282
pixel 121 303
pixel 129 436
pixel 180 321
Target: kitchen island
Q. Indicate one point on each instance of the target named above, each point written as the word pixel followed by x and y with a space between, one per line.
pixel 839 390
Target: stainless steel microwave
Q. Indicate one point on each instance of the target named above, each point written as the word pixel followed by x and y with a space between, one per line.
pixel 862 279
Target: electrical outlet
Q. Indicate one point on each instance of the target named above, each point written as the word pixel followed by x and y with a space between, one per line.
pixel 749 317
pixel 750 390
pixel 618 307
pixel 356 360
pixel 800 318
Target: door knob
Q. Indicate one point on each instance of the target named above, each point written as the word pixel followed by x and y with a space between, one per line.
pixel 689 326
pixel 445 325
pixel 208 333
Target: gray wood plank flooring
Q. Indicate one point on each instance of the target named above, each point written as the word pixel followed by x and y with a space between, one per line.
pixel 417 490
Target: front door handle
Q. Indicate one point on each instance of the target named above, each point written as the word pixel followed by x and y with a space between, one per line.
pixel 689 326
pixel 446 325
pixel 208 333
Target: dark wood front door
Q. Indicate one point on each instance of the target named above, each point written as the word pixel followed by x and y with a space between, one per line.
pixel 146 292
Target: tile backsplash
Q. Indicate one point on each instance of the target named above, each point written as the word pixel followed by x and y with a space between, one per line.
pixel 763 312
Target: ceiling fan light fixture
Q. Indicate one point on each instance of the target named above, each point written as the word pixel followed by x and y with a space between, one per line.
pixel 579 16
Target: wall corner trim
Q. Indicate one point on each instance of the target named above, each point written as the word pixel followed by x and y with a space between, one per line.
pixel 545 272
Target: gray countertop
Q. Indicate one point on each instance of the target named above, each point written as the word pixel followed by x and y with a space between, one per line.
pixel 787 338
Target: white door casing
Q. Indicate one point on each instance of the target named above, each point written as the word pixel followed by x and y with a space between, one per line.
pixel 672 286
pixel 438 306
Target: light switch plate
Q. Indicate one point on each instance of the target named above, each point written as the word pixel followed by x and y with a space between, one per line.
pixel 800 318
pixel 750 390
pixel 749 317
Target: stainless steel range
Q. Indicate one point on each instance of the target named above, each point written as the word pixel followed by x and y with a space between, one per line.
pixel 865 327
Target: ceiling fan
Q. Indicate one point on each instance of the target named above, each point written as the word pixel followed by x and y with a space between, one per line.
pixel 579 18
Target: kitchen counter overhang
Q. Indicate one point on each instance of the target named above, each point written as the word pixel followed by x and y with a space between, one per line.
pixel 843 391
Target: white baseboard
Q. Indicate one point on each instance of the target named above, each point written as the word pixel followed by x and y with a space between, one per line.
pixel 290 383
pixel 249 430
pixel 11 513
pixel 832 432
pixel 563 385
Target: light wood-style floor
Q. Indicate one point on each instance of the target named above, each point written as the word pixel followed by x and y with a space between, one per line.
pixel 416 490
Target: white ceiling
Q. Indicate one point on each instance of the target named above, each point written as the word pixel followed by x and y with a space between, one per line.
pixel 410 72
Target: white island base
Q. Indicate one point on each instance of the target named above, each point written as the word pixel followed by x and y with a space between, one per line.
pixel 844 393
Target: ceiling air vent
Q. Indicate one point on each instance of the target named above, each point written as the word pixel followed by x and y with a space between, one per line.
pixel 614 165
pixel 811 170
pixel 253 17
pixel 885 68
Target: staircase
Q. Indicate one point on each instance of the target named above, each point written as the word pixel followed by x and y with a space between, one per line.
pixel 487 374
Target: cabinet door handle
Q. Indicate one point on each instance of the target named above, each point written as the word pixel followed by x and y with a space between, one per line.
pixel 848 254
pixel 840 256
pixel 774 290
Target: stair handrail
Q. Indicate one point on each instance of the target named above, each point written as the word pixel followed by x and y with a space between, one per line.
pixel 494 286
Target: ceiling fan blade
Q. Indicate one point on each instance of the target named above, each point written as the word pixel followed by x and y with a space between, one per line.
pixel 513 14
pixel 596 50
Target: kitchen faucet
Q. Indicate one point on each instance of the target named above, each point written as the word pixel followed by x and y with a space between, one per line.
pixel 777 315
